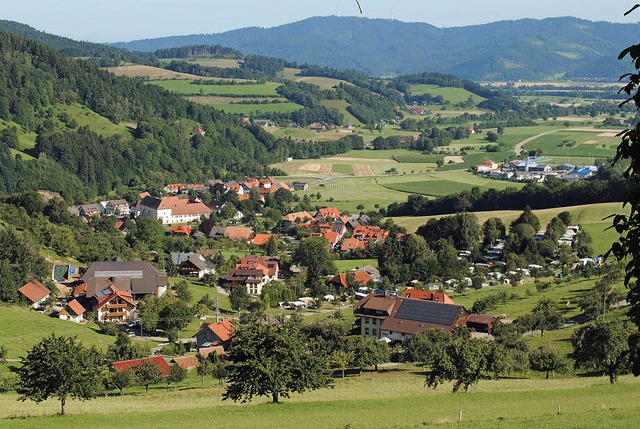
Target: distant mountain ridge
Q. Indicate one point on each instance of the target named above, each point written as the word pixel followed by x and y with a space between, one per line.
pixel 504 50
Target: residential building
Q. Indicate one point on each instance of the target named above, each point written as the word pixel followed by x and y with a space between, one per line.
pixel 175 209
pixel 253 272
pixel 35 292
pixel 73 311
pixel 301 186
pixel 113 305
pixel 192 264
pixel 356 276
pixel 139 278
pixel 399 318
pixel 117 208
pixel 232 233
pixel 427 295
pixel 215 334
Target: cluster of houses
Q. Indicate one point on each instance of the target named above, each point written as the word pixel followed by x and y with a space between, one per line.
pixel 108 290
pixel 530 169
pixel 183 204
pixel 330 224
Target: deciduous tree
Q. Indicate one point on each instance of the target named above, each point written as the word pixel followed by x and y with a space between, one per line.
pixel 273 360
pixel 60 367
pixel 603 346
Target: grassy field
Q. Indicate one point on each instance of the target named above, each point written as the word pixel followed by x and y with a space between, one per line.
pixel 454 95
pixel 350 264
pixel 226 63
pixel 187 87
pixel 21 328
pixel 342 105
pixel 355 402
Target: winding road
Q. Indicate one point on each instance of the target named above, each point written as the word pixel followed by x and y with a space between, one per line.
pixel 518 148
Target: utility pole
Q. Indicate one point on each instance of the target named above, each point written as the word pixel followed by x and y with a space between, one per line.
pixel 217 312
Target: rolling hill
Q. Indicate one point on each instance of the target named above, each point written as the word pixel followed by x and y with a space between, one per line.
pixel 505 50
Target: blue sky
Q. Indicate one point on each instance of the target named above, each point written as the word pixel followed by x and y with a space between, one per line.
pixel 125 20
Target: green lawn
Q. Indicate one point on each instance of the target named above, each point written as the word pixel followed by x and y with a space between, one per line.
pixel 343 168
pixel 21 329
pixel 350 264
pixel 356 402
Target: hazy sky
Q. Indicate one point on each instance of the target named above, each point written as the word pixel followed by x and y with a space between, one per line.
pixel 125 20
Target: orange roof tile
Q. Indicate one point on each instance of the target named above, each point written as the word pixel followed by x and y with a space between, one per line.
pixel 182 229
pixel 34 291
pixel 75 307
pixel 133 364
pixel 262 239
pixel 427 295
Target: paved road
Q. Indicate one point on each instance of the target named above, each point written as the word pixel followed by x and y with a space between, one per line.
pixel 518 148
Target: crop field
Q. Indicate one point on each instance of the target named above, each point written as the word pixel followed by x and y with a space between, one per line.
pixel 187 87
pixel 454 95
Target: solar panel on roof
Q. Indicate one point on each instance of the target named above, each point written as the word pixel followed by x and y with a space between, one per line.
pixel 427 311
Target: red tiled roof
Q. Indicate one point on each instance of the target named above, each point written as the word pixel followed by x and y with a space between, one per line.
pixel 238 233
pixel 350 244
pixel 223 330
pixel 262 239
pixel 427 295
pixel 182 229
pixel 133 364
pixel 186 362
pixel 75 307
pixel 103 300
pixel 206 351
pixel 359 276
pixel 34 291
pixel 80 289
pixel 291 217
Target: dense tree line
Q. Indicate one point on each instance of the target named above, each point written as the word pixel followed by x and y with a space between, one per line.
pixel 198 50
pixel 212 71
pixel 554 193
pixel 366 106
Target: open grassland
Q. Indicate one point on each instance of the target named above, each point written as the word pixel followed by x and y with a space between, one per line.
pixel 453 95
pixel 591 217
pixel 341 106
pixel 598 143
pixel 88 118
pixel 187 87
pixel 21 329
pixel 350 264
pixel 369 401
pixel 149 72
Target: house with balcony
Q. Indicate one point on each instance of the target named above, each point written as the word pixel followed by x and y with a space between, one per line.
pixel 113 305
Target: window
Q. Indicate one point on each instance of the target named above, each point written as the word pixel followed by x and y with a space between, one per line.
pixel 375 332
pixel 366 331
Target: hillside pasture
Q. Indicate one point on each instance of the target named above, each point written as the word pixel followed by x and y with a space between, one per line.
pixel 225 63
pixel 21 329
pixel 453 95
pixel 579 142
pixel 149 72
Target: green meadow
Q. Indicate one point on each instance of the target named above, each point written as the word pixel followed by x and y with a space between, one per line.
pixel 250 109
pixel 453 95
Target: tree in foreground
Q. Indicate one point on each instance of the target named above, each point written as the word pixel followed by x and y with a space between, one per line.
pixel 60 367
pixel 546 360
pixel 273 360
pixel 603 346
pixel 121 379
pixel 148 373
pixel 465 361
pixel 627 248
pixel 367 351
pixel 176 375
